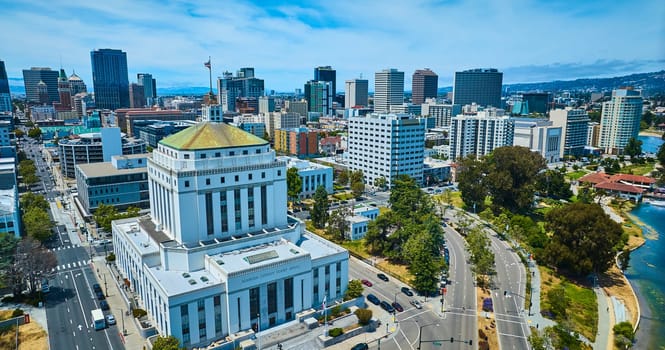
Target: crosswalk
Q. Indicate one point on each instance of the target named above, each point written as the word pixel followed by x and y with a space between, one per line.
pixel 72 265
pixel 64 247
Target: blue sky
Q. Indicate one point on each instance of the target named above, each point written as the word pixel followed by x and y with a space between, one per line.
pixel 529 40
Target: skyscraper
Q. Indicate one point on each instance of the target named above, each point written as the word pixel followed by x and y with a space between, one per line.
pixel 149 85
pixel 620 120
pixel 355 93
pixel 31 79
pixel 136 96
pixel 244 84
pixel 5 95
pixel 480 86
pixel 424 84
pixel 76 84
pixel 480 134
pixel 388 89
pixel 575 124
pixel 110 79
pixel 319 96
pixel 326 73
pixel 64 92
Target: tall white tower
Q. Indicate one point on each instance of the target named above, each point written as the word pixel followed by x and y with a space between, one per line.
pixel 388 89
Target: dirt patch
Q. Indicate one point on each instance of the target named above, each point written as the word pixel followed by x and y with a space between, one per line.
pixel 634 242
pixel 614 283
pixel 486 325
pixel 31 336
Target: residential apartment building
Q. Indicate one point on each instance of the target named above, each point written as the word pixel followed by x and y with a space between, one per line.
pixel 121 183
pixel 282 120
pixel 424 85
pixel 312 175
pixel 575 124
pixel 479 86
pixel 299 142
pixel 441 113
pixel 620 120
pixel 388 89
pixel 593 134
pixel 386 146
pixel 218 258
pixel 479 134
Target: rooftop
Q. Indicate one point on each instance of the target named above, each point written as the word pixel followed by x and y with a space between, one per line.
pixel 207 135
pixel 259 255
pixel 107 169
pixel 181 282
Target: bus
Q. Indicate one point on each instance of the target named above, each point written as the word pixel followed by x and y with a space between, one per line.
pixel 98 318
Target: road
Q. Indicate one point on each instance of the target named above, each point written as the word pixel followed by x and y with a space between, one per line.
pixel 71 298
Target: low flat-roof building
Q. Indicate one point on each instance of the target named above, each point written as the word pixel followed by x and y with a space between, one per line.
pixel 312 174
pixel 122 183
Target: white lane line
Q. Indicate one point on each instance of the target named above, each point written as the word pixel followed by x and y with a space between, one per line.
pixel 78 295
pixel 511 335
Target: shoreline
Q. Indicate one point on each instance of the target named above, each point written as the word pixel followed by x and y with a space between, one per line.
pixel 651 133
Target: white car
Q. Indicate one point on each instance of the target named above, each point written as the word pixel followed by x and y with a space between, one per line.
pixel 110 319
pixel 416 304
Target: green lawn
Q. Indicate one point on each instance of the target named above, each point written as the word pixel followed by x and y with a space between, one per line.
pixel 638 169
pixel 574 175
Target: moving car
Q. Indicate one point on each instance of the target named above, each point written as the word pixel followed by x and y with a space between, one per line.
pixel 366 282
pixel 382 277
pixel 360 346
pixel 397 306
pixel 110 319
pixel 373 299
pixel 387 307
pixel 407 291
pixel 416 304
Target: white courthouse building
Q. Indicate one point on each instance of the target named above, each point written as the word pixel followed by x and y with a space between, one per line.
pixel 218 256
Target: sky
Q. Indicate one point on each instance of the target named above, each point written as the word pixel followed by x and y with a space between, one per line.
pixel 528 40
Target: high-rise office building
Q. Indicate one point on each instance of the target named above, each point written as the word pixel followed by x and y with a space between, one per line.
pixel 620 120
pixel 76 84
pixel 480 86
pixel 326 73
pixel 319 96
pixel 424 85
pixel 110 79
pixel 388 89
pixel 540 136
pixel 218 255
pixel 355 93
pixel 480 134
pixel 64 92
pixel 244 84
pixel 373 147
pixel 575 125
pixel 136 96
pixel 5 95
pixel 266 104
pixel 149 85
pixel 31 79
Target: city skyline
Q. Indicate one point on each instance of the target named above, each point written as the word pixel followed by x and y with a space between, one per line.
pixel 528 41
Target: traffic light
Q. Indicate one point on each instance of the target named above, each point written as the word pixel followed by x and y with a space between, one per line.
pixel 452 339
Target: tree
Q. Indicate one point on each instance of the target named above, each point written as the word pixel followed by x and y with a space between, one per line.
pixel 407 199
pixel 583 238
pixel 104 215
pixel 19 133
pixel 32 262
pixel 660 155
pixel 423 264
pixel 470 174
pixel 37 224
pixel 7 247
pixel 647 118
pixel 357 183
pixel 293 184
pixel 511 176
pixel 364 316
pixel 552 183
pixel 558 301
pixel 633 148
pixel 166 343
pixel 482 257
pixel 319 212
pixel 343 178
pixel 31 200
pixel 35 133
pixel 623 335
pixel 354 290
pixel 380 182
pixel 624 259
pixel 337 224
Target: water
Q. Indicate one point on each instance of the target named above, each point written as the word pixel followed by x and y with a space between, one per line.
pixel 650 144
pixel 646 272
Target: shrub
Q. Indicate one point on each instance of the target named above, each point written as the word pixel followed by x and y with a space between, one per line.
pixel 364 316
pixel 17 313
pixel 110 257
pixel 138 313
pixel 335 311
pixel 335 332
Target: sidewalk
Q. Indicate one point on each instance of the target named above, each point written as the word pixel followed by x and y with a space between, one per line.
pixel 119 304
pixel 535 318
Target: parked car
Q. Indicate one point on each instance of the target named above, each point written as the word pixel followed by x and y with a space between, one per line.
pixel 366 282
pixel 104 305
pixel 387 307
pixel 110 320
pixel 382 277
pixel 397 306
pixel 100 295
pixel 360 346
pixel 373 299
pixel 97 288
pixel 407 291
pixel 416 304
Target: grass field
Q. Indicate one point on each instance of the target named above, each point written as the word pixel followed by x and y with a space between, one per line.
pixel 582 309
pixel 574 175
pixel 637 169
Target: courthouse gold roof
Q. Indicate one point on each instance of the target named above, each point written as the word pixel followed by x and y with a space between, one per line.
pixel 207 135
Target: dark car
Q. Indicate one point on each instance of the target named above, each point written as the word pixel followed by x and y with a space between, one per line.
pixel 407 291
pixel 382 277
pixel 104 305
pixel 373 299
pixel 97 288
pixel 387 307
pixel 398 307
pixel 360 346
pixel 100 295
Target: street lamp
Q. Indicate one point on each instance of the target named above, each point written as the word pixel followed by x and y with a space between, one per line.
pixel 420 332
pixel 122 315
pixel 258 330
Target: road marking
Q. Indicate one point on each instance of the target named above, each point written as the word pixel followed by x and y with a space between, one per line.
pixel 70 321
pixel 511 335
pixel 85 319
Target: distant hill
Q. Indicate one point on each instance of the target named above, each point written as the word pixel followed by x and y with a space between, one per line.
pixel 649 83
